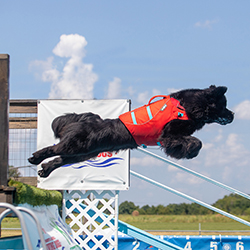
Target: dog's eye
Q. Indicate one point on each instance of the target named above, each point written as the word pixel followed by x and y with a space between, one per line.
pixel 213 105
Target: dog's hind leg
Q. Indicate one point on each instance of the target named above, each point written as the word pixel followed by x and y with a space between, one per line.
pixel 50 166
pixel 50 151
pixel 181 147
pixel 42 154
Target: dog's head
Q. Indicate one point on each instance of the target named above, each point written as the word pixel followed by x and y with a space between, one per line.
pixel 216 109
pixel 206 105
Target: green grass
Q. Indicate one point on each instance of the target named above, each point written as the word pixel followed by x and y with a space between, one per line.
pixel 184 222
pixel 168 222
pixel 163 222
pixel 10 222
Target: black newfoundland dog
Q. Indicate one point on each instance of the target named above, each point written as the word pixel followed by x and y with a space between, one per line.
pixel 168 122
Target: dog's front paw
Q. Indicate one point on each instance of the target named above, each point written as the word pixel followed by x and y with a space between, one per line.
pixel 186 147
pixel 34 160
pixel 42 174
pixel 49 167
pixel 193 148
pixel 45 171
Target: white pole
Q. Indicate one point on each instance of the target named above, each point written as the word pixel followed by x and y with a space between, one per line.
pixel 189 198
pixel 195 173
pixel 116 217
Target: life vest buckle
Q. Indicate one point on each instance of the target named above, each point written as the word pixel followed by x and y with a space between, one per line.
pixel 164 106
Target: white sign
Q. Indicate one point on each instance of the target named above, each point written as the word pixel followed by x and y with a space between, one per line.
pixel 56 233
pixel 108 171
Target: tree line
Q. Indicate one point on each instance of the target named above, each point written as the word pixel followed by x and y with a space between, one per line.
pixel 233 203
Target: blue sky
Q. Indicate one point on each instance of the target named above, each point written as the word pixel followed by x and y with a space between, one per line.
pixel 133 50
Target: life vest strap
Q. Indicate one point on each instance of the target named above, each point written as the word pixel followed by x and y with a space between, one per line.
pixel 149 113
pixel 156 96
pixel 145 146
pixel 133 118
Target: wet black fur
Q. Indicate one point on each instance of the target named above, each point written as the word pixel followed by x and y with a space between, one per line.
pixel 84 136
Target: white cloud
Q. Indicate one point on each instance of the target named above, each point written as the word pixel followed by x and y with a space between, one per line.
pixel 143 97
pixel 156 92
pixel 207 146
pixel 219 137
pixel 71 46
pixel 77 79
pixel 39 67
pixel 230 152
pixel 131 91
pixel 146 161
pixel 206 24
pixel 172 90
pixel 114 88
pixel 183 177
pixel 242 110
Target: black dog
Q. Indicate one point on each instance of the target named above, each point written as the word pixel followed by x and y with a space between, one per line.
pixel 84 136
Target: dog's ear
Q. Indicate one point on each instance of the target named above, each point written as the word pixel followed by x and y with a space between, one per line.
pixel 218 91
pixel 212 87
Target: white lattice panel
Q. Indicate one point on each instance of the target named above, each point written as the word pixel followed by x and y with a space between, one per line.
pixel 93 216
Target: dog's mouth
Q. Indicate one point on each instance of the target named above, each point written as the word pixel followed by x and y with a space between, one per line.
pixel 225 119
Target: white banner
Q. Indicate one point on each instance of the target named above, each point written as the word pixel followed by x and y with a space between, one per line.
pixel 109 171
pixel 56 233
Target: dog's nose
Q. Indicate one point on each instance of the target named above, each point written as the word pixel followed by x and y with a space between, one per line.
pixel 232 115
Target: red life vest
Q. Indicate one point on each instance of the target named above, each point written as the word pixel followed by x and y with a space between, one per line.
pixel 147 122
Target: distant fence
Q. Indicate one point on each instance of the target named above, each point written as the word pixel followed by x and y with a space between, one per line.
pixel 22 135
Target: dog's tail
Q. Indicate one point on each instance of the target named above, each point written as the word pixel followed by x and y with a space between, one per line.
pixel 60 122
